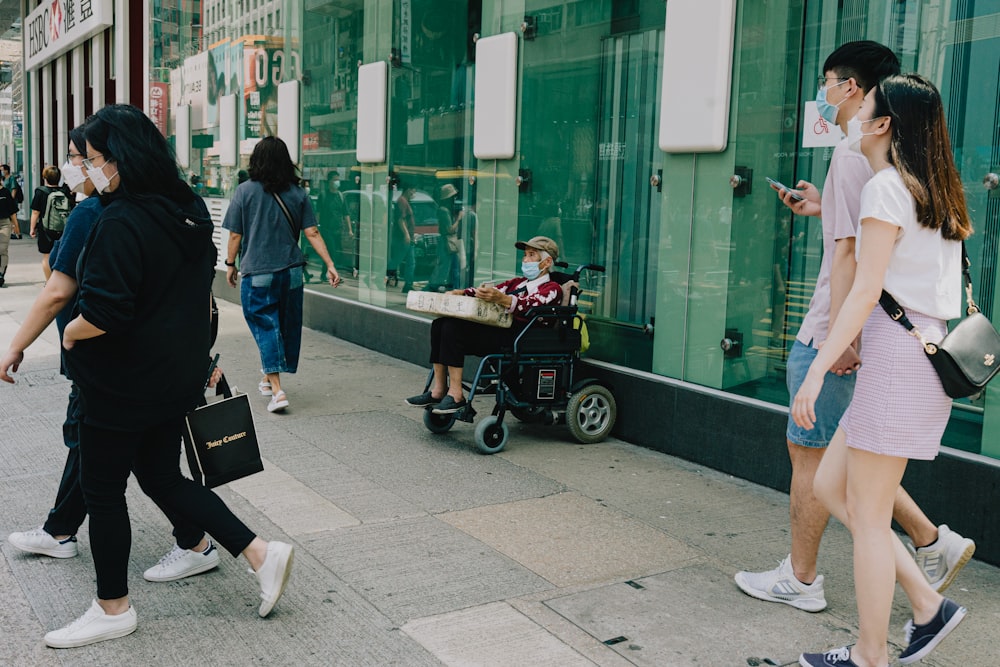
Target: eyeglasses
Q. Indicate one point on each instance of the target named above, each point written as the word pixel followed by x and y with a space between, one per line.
pixel 821 80
pixel 73 156
pixel 88 161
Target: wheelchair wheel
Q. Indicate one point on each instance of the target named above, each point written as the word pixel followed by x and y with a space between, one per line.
pixel 438 423
pixel 490 436
pixel 591 413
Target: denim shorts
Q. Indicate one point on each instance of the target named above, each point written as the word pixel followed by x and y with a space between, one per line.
pixel 830 406
pixel 272 307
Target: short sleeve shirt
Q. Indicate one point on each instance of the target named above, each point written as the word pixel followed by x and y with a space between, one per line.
pixel 849 171
pixel 268 243
pixel 64 257
pixel 925 269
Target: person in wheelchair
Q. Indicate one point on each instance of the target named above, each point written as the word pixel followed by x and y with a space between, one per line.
pixel 452 339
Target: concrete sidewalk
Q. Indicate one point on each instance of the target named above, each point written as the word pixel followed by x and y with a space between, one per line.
pixel 412 549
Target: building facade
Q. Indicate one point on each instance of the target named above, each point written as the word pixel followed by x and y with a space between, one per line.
pixel 698 249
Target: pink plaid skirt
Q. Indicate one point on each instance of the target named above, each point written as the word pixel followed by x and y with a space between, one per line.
pixel 899 407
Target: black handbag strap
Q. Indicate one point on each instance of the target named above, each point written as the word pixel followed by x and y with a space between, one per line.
pixel 288 216
pixel 897 313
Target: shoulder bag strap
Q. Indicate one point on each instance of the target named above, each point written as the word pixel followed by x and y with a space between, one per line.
pixel 288 216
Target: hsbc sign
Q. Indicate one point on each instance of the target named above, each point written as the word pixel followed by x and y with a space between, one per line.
pixel 56 26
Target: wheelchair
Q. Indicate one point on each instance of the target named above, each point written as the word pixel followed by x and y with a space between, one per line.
pixel 536 380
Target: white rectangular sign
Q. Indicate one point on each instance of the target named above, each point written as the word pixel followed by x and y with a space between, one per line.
pixel 816 131
pixel 56 26
pixel 697 75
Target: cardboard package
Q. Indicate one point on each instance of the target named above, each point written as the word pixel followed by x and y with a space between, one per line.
pixel 461 307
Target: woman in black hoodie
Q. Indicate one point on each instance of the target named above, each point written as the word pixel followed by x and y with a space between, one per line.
pixel 137 349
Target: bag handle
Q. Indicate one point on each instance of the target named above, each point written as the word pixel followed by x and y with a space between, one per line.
pixel 288 216
pixel 896 312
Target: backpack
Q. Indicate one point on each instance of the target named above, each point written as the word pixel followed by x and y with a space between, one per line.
pixel 56 211
pixel 19 194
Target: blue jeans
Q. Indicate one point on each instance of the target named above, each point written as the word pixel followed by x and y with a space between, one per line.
pixel 272 306
pixel 831 403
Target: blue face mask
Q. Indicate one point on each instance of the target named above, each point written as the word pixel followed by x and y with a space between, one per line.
pixel 826 110
pixel 530 270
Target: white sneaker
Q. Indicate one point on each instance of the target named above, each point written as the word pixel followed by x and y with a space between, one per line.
pixel 180 563
pixel 273 574
pixel 37 541
pixel 941 561
pixel 94 626
pixel 278 402
pixel 780 585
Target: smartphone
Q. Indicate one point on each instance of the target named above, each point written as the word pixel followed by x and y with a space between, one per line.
pixel 784 188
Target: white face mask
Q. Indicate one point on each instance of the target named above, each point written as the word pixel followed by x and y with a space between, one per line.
pixel 73 176
pixel 855 133
pixel 100 181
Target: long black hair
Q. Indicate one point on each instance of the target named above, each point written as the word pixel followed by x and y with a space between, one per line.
pixel 272 166
pixel 921 152
pixel 146 165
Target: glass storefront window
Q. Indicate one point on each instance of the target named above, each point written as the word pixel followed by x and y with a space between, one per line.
pixel 952 44
pixel 591 74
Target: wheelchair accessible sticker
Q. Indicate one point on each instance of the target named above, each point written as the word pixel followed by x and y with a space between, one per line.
pixel 816 131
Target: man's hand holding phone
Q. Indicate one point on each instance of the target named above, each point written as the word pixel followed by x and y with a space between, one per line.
pixel 805 200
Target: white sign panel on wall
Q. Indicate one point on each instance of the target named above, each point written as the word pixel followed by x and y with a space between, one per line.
pixel 816 131
pixel 56 26
pixel 697 75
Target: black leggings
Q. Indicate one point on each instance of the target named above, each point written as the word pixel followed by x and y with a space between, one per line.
pixel 452 339
pixel 107 457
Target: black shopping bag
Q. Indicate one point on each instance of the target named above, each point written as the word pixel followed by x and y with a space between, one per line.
pixel 221 442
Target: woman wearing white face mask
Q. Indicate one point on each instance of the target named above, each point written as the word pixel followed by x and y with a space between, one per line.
pixel 913 218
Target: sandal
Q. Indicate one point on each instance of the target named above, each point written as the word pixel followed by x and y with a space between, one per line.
pixel 265 388
pixel 278 402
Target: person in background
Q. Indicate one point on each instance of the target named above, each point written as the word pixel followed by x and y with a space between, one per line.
pixel 10 182
pixel 271 262
pixel 401 234
pixel 913 223
pixel 334 222
pixel 41 202
pixel 142 317
pixel 8 218
pixel 56 537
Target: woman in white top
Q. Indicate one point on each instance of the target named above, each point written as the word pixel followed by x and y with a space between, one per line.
pixel 913 218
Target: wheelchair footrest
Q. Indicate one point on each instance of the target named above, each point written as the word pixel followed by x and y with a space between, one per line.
pixel 466 414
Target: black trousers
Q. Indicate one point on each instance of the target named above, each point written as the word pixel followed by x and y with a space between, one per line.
pixel 107 458
pixel 70 509
pixel 452 339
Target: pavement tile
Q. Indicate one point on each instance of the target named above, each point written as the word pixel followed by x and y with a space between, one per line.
pixel 492 635
pixel 414 568
pixel 571 540
pixel 676 619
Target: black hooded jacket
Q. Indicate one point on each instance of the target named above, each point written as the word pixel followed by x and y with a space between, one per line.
pixel 145 278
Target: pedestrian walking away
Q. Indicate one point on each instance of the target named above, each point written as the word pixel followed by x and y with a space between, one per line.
pixel 264 219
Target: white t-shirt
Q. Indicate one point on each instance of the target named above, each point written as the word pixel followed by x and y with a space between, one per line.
pixel 925 270
pixel 849 171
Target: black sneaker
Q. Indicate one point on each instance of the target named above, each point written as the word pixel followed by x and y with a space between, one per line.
pixel 424 400
pixel 923 638
pixel 448 405
pixel 838 657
